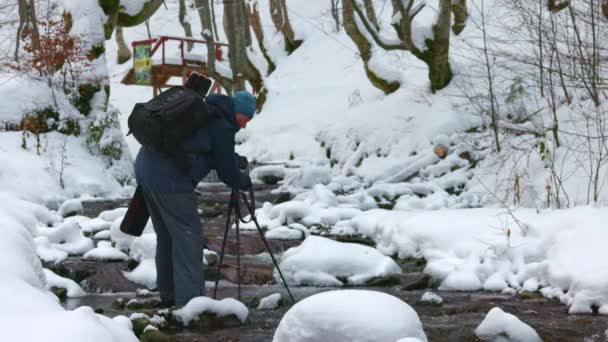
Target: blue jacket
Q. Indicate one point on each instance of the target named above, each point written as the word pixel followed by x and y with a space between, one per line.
pixel 212 147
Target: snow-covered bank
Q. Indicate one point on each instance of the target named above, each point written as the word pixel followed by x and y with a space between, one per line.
pixel 29 312
pixel 558 252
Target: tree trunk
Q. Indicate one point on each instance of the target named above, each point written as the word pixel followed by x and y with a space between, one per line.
pixel 185 24
pixel 371 13
pixel 440 71
pixel 256 26
pixel 23 19
pixel 461 14
pixel 204 12
pixel 34 24
pixel 236 26
pixel 335 13
pixel 280 18
pixel 364 47
pixel 124 53
pixel 147 23
pixel 217 37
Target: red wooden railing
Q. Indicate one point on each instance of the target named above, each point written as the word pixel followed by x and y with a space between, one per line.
pixel 160 43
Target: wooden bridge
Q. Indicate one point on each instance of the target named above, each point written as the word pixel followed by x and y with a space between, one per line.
pixel 170 67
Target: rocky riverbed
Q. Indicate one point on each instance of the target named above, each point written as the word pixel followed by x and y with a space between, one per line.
pixel 454 320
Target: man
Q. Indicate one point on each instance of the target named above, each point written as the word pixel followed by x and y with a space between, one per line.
pixel 172 202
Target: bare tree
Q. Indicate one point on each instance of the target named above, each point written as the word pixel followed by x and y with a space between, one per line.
pixel 204 12
pixel 461 14
pixel 184 22
pixel 364 47
pixel 147 23
pixel 371 13
pixel 256 25
pixel 335 13
pixel 236 26
pixel 435 53
pixel 29 21
pixel 280 18
pixel 124 53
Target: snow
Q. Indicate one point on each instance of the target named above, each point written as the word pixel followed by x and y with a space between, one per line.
pixel 222 308
pixel 431 298
pixel 94 225
pixel 112 215
pixel 66 237
pixel 70 207
pixel 349 315
pixel 320 261
pixel 286 233
pixel 270 302
pixel 501 326
pixel 26 302
pixel 53 280
pixel 105 252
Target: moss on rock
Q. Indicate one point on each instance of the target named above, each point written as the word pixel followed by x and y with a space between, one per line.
pixel 60 292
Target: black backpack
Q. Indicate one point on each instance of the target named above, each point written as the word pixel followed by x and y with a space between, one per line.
pixel 165 122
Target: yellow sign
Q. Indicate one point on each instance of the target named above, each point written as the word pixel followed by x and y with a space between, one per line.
pixel 142 64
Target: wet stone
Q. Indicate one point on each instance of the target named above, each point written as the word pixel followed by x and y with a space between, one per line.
pixel 143 304
pixel 152 335
pixel 119 304
pixel 414 281
pixel 209 321
pixel 139 324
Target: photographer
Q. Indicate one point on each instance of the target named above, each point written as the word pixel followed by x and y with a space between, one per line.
pixel 172 203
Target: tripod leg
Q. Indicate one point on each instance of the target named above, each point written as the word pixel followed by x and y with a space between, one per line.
pixel 257 225
pixel 219 266
pixel 238 253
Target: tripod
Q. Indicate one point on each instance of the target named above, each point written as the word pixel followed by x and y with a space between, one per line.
pixel 235 206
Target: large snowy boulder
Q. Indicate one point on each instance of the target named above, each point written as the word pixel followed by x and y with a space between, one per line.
pixel 320 261
pixel 499 326
pixel 349 316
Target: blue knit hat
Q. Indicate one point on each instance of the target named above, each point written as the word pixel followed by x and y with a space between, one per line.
pixel 244 103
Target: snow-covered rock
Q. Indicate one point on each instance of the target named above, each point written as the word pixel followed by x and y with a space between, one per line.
pixel 143 250
pixel 270 302
pixel 112 215
pixel 222 308
pixel 95 225
pixel 70 207
pixel 499 326
pixel 67 237
pixel 320 261
pixel 349 315
pixel 105 252
pixel 53 280
pixel 431 298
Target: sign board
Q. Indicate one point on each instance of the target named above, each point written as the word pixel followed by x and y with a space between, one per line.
pixel 142 64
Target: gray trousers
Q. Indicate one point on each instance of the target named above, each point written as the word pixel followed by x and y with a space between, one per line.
pixel 179 246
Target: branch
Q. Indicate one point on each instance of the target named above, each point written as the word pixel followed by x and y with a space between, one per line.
pixel 374 33
pixel 416 9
